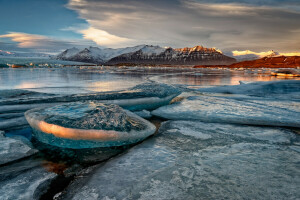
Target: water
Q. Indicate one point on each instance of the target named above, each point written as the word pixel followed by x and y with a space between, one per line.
pixel 71 80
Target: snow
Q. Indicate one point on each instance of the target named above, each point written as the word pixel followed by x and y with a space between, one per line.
pixel 173 165
pixel 150 50
pixel 99 53
pixel 87 125
pixel 71 52
pixel 12 149
pixel 225 110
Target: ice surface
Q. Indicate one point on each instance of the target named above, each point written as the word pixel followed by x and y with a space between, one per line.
pixel 12 123
pixel 13 149
pixel 28 181
pixel 144 114
pixel 144 96
pixel 87 125
pixel 289 89
pixel 225 110
pixel 216 161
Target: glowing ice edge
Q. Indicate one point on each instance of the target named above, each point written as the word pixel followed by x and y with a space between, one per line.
pixel 86 138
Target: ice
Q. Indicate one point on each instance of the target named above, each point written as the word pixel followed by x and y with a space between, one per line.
pixel 144 114
pixel 235 162
pixel 289 89
pixel 12 123
pixel 145 96
pixel 225 110
pixel 87 125
pixel 204 131
pixel 12 149
pixel 25 180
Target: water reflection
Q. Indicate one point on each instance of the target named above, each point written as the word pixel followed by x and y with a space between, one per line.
pixel 85 80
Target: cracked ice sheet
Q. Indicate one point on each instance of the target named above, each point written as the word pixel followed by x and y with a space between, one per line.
pixel 13 149
pixel 28 183
pixel 225 110
pixel 286 89
pixel 262 164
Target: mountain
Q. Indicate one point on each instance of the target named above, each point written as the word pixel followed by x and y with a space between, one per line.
pixel 148 54
pixel 266 62
pixel 94 54
pixel 18 54
pixel 271 62
pixel 181 56
pixel 67 53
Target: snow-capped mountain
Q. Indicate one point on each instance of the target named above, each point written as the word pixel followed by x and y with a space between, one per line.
pixel 147 54
pixel 181 56
pixel 67 53
pixel 25 54
pixel 95 54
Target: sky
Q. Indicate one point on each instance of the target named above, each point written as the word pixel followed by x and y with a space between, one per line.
pixel 239 26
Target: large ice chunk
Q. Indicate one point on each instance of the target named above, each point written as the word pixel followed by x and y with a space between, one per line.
pixel 13 149
pixel 188 160
pixel 225 110
pixel 87 125
pixel 289 89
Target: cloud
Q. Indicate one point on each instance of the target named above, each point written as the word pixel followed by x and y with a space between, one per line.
pixel 228 25
pixel 40 43
pixel 248 52
pixel 103 38
pixel 25 40
pixel 263 54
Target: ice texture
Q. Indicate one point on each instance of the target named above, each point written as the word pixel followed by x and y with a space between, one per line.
pixel 87 125
pixel 190 159
pixel 288 89
pixel 145 96
pixel 144 114
pixel 25 180
pixel 12 149
pixel 229 110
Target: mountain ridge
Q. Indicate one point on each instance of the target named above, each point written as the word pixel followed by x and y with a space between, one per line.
pixel 147 54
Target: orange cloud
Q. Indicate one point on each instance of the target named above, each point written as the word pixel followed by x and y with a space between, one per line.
pixel 247 52
pixel 263 54
pixel 25 40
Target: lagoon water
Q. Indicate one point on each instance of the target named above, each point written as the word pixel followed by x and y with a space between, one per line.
pixel 72 80
pixel 188 158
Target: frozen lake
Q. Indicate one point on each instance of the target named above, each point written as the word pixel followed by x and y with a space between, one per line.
pixel 216 140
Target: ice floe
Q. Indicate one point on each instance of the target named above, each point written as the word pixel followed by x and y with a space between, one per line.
pixel 214 162
pixel 29 181
pixel 87 125
pixel 289 89
pixel 144 114
pixel 145 96
pixel 12 149
pixel 225 110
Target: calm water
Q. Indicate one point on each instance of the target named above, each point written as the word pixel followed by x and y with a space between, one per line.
pixel 69 80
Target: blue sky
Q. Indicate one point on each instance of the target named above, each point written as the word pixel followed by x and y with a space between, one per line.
pixel 54 25
pixel 45 17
